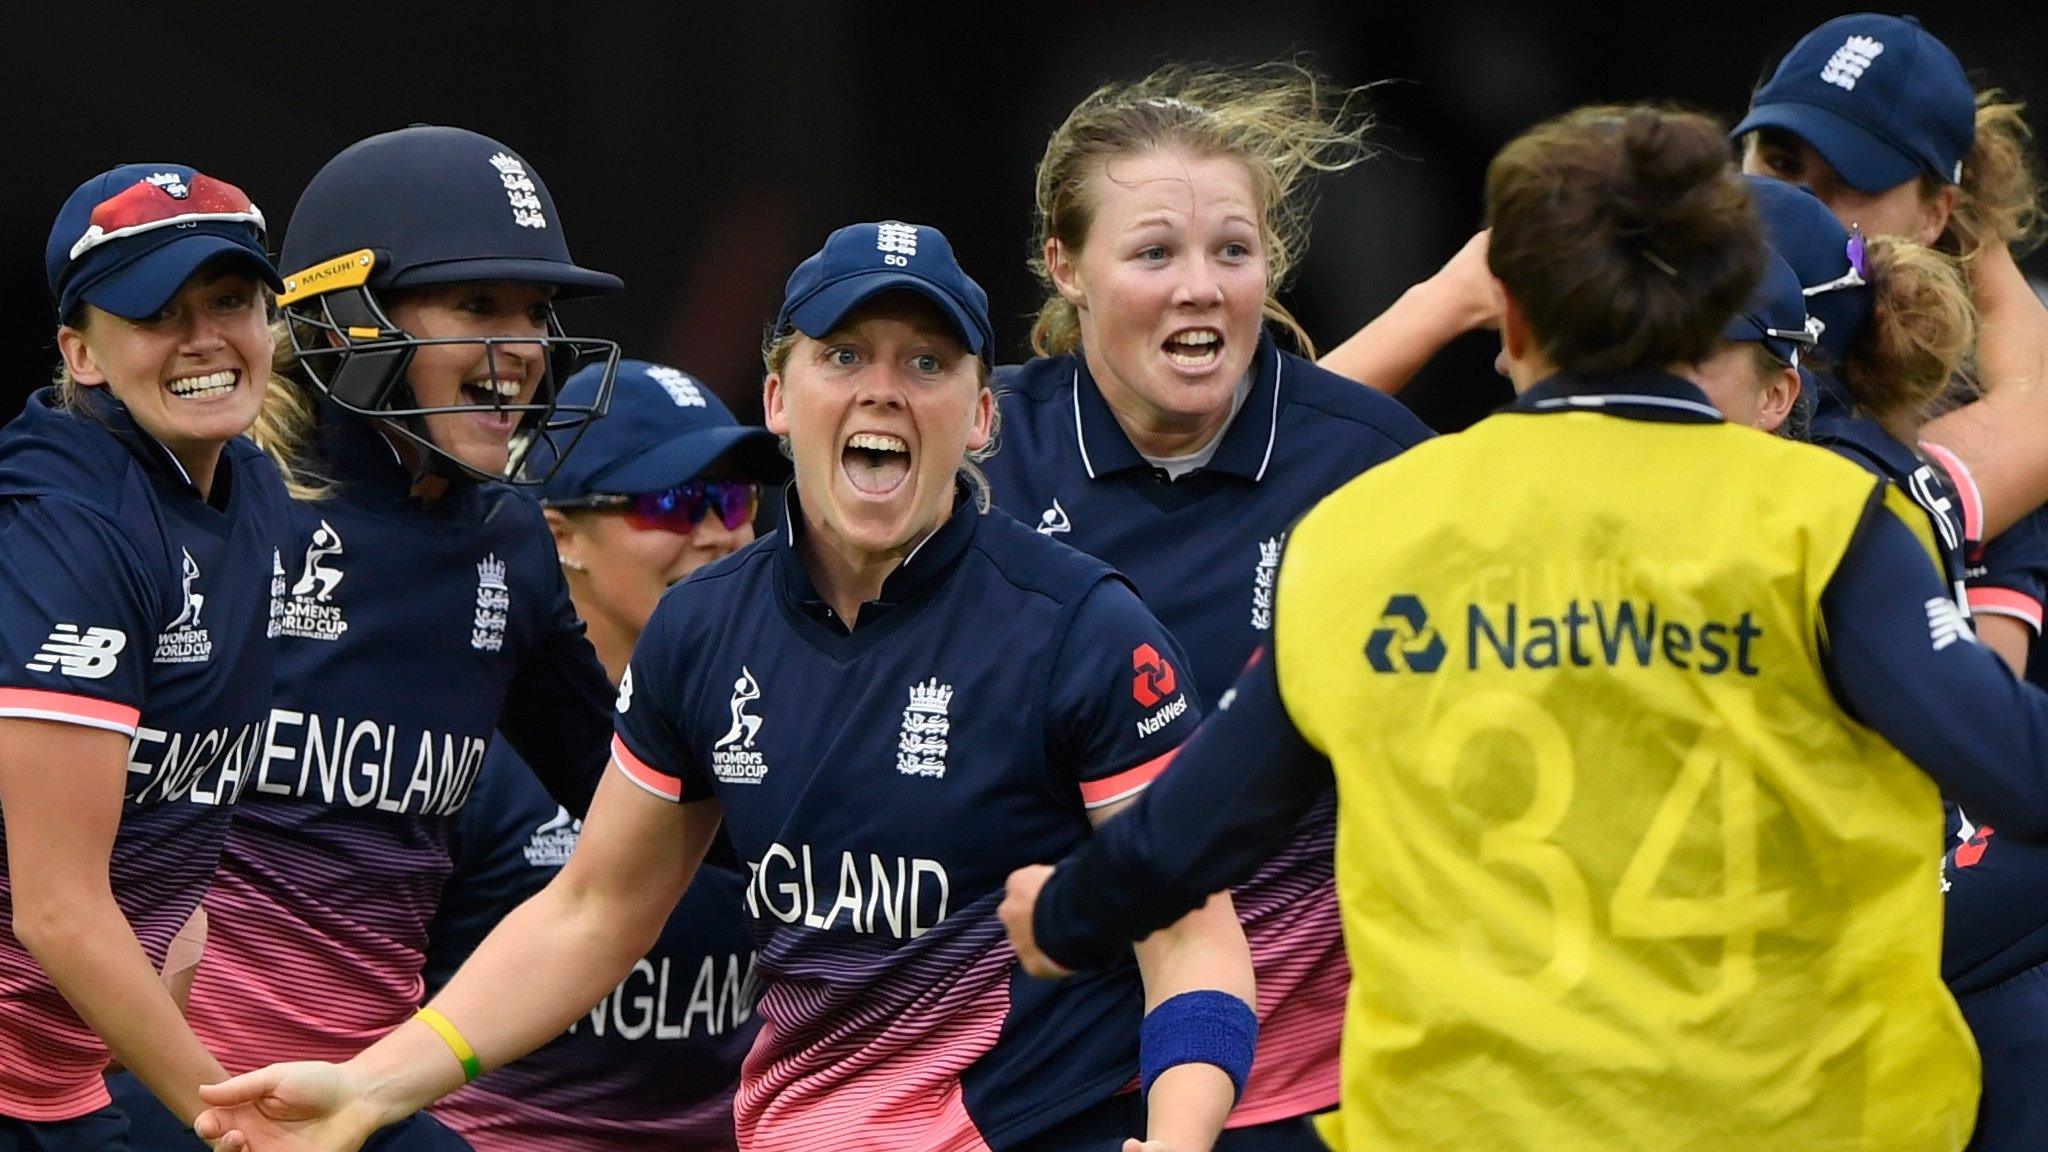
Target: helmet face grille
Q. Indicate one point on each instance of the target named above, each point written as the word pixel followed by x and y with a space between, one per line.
pixel 352 352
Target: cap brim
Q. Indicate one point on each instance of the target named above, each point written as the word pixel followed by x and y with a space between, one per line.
pixel 1865 161
pixel 568 279
pixel 683 457
pixel 141 287
pixel 819 315
pixel 1744 329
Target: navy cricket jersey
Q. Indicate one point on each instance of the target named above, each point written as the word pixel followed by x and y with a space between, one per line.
pixel 881 785
pixel 411 632
pixel 1997 884
pixel 1204 551
pixel 1943 488
pixel 135 606
pixel 653 1067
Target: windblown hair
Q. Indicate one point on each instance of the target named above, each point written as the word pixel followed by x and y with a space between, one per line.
pixel 1283 120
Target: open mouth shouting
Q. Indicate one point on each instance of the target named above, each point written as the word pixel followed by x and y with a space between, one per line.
pixel 205 386
pixel 488 394
pixel 1194 349
pixel 875 463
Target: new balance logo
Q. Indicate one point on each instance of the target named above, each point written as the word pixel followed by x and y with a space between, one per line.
pixel 1846 66
pixel 1404 629
pixel 87 655
pixel 897 242
pixel 1946 623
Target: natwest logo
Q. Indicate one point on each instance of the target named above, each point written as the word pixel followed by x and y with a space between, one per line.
pixel 1154 679
pixel 1580 632
pixel 1153 685
pixel 1404 629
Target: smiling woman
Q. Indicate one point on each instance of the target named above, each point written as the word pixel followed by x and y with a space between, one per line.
pixel 137 538
pixel 421 607
pixel 1164 430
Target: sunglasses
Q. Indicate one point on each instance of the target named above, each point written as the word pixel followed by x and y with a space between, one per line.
pixel 681 508
pixel 145 207
pixel 1859 268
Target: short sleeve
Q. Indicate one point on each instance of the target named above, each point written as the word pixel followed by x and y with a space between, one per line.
pixel 648 742
pixel 1121 699
pixel 2010 576
pixel 78 630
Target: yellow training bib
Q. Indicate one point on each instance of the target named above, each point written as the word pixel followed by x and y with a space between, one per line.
pixel 1616 871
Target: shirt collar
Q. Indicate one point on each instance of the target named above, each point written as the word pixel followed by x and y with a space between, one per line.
pixel 1246 449
pixel 104 407
pixel 934 557
pixel 1637 395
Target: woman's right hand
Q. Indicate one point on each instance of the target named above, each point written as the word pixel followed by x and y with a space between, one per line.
pixel 298 1107
pixel 1466 287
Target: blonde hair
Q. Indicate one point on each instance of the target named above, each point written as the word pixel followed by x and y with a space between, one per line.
pixel 775 353
pixel 1923 324
pixel 1283 120
pixel 1999 198
pixel 284 427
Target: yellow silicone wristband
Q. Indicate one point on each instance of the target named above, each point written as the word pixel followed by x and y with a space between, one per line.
pixel 471 1066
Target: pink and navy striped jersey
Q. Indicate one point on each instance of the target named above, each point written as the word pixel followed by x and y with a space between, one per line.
pixel 653 1067
pixel 136 606
pixel 411 632
pixel 880 785
pixel 1204 551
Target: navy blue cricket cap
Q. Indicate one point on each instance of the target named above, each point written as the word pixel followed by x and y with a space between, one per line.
pixel 664 427
pixel 437 205
pixel 128 239
pixel 862 261
pixel 1775 313
pixel 1809 237
pixel 1877 96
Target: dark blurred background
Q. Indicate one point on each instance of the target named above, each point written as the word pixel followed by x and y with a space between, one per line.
pixel 700 150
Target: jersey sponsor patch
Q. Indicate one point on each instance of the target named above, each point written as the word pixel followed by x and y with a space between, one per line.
pixel 734 759
pixel 1579 633
pixel 88 654
pixel 1155 685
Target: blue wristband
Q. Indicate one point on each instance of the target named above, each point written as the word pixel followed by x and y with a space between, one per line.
pixel 1200 1027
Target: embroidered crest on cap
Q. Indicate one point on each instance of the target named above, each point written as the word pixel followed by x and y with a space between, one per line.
pixel 1846 66
pixel 526 211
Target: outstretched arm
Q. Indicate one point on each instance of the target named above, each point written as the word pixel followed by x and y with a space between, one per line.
pixel 1387 353
pixel 1234 792
pixel 545 964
